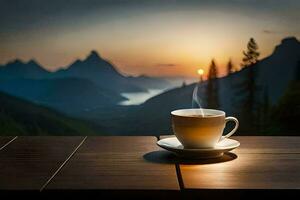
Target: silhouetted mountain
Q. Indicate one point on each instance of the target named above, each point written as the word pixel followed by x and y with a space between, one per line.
pixel 70 95
pixel 92 68
pixel 102 72
pixel 277 70
pixel 18 69
pixel 85 84
pixel 20 117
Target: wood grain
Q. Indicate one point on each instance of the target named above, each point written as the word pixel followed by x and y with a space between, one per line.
pixel 261 163
pixel 4 140
pixel 131 163
pixel 268 144
pixel 28 162
pixel 247 171
pixel 105 163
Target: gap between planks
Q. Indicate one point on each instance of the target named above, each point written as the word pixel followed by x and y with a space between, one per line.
pixel 178 172
pixel 10 141
pixel 63 164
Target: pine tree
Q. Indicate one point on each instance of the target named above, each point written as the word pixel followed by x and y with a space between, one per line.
pixel 230 67
pixel 247 91
pixel 212 88
pixel 251 55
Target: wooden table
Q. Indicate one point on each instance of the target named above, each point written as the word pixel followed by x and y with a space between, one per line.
pixel 260 163
pixel 135 165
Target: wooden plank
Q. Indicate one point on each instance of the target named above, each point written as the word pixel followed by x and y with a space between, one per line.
pixel 104 163
pixel 268 144
pixel 247 171
pixel 28 162
pixel 261 162
pixel 5 140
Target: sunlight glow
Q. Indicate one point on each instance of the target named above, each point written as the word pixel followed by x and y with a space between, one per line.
pixel 200 71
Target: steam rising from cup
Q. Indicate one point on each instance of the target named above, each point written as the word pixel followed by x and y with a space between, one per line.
pixel 196 101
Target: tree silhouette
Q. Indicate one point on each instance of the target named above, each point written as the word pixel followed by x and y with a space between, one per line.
pixel 212 88
pixel 230 67
pixel 251 55
pixel 247 91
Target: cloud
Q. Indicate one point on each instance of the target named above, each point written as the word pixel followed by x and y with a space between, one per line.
pixel 269 32
pixel 166 65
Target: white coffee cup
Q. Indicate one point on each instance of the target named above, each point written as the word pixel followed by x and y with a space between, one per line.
pixel 197 128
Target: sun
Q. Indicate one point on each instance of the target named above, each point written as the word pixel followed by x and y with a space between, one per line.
pixel 200 71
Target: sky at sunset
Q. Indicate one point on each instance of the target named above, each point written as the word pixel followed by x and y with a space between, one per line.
pixel 158 38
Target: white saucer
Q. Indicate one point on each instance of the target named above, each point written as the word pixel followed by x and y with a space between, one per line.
pixel 172 144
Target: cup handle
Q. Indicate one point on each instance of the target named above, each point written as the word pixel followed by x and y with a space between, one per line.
pixel 227 119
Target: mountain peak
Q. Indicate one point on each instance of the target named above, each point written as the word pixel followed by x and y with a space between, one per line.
pixel 16 62
pixel 92 64
pixel 288 44
pixel 290 40
pixel 32 62
pixel 93 56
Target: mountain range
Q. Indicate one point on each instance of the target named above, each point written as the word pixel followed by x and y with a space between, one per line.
pixel 18 69
pixel 90 89
pixel 85 84
pixel 101 72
